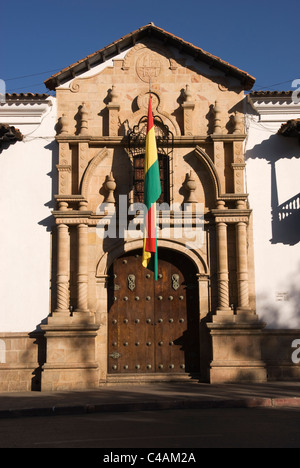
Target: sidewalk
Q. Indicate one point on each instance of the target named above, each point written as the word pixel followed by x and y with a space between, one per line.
pixel 154 396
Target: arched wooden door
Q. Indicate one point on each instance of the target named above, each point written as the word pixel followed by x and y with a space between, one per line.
pixel 153 326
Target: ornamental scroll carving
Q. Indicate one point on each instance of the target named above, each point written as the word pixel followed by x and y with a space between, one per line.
pixel 74 86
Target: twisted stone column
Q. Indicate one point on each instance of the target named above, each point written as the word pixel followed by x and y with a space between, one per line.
pixel 63 267
pixel 242 266
pixel 223 275
pixel 82 272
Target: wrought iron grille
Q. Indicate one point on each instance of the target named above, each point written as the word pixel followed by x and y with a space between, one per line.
pixel 165 146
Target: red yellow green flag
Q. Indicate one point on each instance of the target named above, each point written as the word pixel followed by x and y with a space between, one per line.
pixel 152 192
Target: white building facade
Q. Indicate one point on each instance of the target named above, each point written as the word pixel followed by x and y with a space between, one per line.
pixel 29 179
pixel 273 167
pixel 27 169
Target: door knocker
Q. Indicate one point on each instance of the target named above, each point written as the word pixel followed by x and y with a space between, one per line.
pixel 115 355
pixel 175 281
pixel 131 282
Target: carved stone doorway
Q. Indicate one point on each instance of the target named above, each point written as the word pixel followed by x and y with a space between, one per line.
pixel 153 326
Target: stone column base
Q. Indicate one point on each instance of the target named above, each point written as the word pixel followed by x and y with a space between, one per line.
pixel 69 377
pixel 71 357
pixel 239 372
pixel 236 350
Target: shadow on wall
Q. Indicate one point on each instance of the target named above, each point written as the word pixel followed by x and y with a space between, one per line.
pixel 286 222
pixel 282 310
pixel 285 217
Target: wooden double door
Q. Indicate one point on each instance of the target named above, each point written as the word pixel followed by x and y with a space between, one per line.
pixel 153 326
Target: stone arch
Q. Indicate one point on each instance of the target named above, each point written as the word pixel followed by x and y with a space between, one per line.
pixel 157 108
pixel 93 164
pixel 202 156
pixel 107 259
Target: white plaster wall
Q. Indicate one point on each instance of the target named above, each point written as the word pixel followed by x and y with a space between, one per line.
pixel 26 170
pixel 277 265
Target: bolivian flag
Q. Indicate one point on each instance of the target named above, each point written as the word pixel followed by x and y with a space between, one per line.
pixel 152 192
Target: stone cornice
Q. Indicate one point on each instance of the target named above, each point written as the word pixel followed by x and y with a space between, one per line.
pixel 73 217
pixel 273 108
pixel 234 196
pixel 231 216
pixel 69 198
pixel 228 137
pixel 111 141
pixel 24 112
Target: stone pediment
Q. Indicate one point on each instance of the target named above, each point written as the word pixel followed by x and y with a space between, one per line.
pixel 148 32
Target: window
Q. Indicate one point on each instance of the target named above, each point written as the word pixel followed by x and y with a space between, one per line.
pixel 138 178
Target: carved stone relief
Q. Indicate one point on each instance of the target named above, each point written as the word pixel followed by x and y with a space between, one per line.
pixel 148 66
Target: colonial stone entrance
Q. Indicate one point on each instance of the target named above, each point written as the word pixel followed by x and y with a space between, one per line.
pixel 153 326
pixel 109 320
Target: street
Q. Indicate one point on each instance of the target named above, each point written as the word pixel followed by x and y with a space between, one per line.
pixel 172 429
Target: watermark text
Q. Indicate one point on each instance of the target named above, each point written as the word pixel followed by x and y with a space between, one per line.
pixel 175 221
pixel 296 353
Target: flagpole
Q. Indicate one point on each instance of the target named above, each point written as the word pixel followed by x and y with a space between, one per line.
pixel 152 192
pixel 155 264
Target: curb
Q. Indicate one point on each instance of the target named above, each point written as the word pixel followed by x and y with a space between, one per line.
pixel 258 402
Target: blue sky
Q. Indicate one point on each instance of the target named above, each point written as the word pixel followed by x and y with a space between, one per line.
pixel 40 38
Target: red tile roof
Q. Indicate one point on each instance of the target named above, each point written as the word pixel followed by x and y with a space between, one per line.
pixel 125 42
pixel 271 93
pixel 26 97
